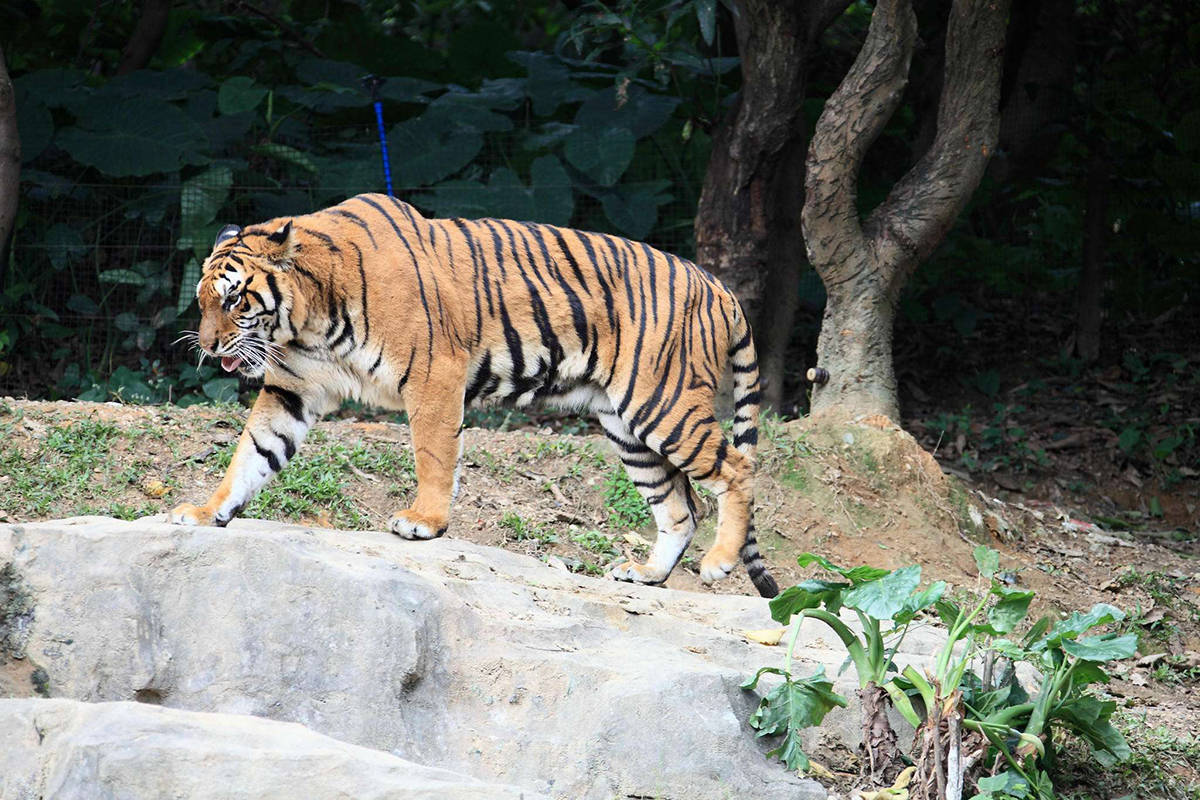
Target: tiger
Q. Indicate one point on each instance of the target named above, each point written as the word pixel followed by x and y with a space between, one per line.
pixel 370 300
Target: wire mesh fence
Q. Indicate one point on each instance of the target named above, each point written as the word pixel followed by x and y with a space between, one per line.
pixel 102 281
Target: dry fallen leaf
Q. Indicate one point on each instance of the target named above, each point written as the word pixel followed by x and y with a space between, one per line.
pixel 769 637
pixel 153 487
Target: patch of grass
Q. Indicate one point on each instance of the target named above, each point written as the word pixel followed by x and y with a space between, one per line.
pixel 626 507
pixel 523 530
pixel 314 482
pixel 1163 766
pixel 72 464
pixel 596 542
pixel 500 470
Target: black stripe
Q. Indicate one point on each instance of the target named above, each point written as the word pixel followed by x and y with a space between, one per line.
pixel 747 399
pixel 748 437
pixel 416 268
pixel 481 377
pixel 404 378
pixel 269 455
pixel 292 402
pixel 357 220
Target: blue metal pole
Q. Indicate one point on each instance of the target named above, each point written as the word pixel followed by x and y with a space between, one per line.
pixel 387 164
pixel 372 84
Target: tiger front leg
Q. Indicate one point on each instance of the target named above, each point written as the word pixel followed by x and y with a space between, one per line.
pixel 435 416
pixel 277 425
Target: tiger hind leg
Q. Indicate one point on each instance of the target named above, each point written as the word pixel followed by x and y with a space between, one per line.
pixel 669 495
pixel 695 444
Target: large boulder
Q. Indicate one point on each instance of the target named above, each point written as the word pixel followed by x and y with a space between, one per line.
pixel 68 749
pixel 446 653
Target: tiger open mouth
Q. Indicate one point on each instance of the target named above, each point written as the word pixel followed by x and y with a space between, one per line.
pixel 231 363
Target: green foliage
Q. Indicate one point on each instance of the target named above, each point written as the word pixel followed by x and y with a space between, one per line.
pixel 66 463
pixel 875 595
pixel 523 530
pixel 1021 731
pixel 789 708
pixel 233 123
pixel 627 509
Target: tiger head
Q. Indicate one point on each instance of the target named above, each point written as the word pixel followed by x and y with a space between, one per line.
pixel 247 295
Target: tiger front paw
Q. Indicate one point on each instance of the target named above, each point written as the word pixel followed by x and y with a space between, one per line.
pixel 188 514
pixel 633 572
pixel 411 525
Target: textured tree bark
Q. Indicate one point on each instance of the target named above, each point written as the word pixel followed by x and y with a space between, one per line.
pixel 881 757
pixel 10 163
pixel 865 264
pixel 746 225
pixel 147 36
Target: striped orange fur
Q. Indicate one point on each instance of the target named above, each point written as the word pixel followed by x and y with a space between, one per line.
pixel 370 300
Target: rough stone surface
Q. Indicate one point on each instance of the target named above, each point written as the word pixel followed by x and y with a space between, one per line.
pixel 446 653
pixel 68 749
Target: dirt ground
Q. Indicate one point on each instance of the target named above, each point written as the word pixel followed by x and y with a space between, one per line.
pixel 860 492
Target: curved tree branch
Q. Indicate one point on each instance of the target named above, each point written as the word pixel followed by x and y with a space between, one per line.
pixel 147 36
pixel 10 162
pixel 854 116
pixel 923 205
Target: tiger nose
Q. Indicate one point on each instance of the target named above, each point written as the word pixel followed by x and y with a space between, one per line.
pixel 208 337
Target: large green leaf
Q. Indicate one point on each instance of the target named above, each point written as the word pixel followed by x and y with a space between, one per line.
pixel 1077 623
pixel 634 210
pixel 239 94
pixel 635 109
pixel 1105 647
pixel 884 598
pixel 855 575
pixel 549 83
pixel 790 708
pixel 548 198
pixel 603 154
pixel 1089 717
pixel 200 199
pixel 187 285
pixel 34 124
pixel 1008 610
pixel 167 84
pixel 430 149
pixel 987 560
pixel 805 595
pixel 136 136
pixel 64 246
pixel 919 602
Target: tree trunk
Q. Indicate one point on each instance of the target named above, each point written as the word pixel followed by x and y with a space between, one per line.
pixel 1036 93
pixel 147 36
pixel 10 163
pixel 1089 312
pixel 746 231
pixel 865 264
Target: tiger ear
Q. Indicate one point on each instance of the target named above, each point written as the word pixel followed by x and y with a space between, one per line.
pixel 228 232
pixel 281 244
